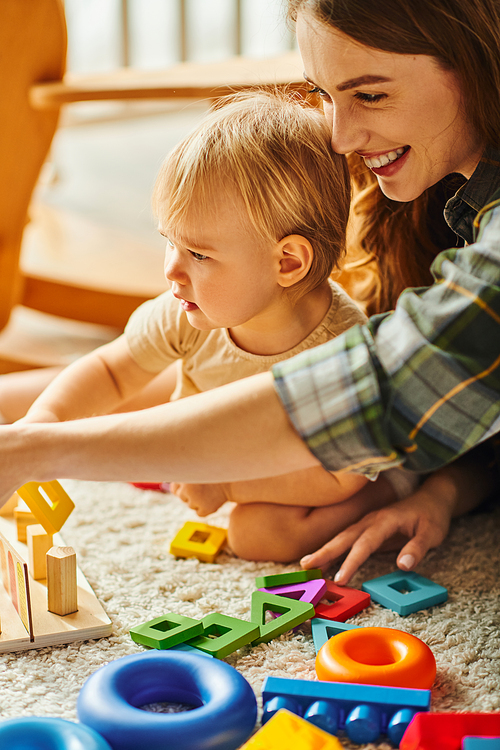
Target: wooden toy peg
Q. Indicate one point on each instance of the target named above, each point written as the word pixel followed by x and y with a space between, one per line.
pixel 61 580
pixel 39 543
pixel 24 517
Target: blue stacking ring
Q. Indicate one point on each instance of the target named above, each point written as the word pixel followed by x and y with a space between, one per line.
pixel 224 713
pixel 49 734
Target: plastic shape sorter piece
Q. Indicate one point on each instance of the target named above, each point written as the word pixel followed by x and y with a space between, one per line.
pixel 309 591
pixel 283 579
pixel 447 730
pixel 223 634
pixel 48 502
pixel 345 602
pixel 323 630
pixel 286 730
pixel 290 611
pixel 405 592
pixel 198 540
pixel 481 743
pixel 166 631
pixel 394 707
pixel 377 656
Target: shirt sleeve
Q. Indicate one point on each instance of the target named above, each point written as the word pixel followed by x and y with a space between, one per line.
pixel 419 386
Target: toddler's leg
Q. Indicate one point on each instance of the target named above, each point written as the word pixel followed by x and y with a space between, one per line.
pixel 18 390
pixel 284 533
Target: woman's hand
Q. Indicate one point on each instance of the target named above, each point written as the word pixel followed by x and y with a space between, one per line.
pixel 423 519
pixel 420 518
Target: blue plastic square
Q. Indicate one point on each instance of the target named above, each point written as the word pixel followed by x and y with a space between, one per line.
pixel 405 592
pixel 481 743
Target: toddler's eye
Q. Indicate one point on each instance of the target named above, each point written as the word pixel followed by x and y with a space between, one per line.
pixel 198 256
pixel 169 242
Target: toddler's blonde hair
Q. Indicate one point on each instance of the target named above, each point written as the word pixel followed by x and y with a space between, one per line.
pixel 275 151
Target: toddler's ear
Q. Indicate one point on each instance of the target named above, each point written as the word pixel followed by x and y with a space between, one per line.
pixel 296 257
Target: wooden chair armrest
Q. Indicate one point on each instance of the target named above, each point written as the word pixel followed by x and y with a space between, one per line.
pixel 187 80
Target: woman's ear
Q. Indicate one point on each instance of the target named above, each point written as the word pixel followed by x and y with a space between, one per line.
pixel 295 259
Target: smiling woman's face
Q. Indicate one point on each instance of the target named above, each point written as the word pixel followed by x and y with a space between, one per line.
pixel 401 113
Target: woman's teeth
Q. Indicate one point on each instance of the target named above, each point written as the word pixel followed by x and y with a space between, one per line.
pixel 384 159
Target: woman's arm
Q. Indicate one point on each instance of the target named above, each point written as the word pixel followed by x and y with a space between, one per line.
pixel 239 431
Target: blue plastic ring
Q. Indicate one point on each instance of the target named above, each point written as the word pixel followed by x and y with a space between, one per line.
pixel 225 706
pixel 49 734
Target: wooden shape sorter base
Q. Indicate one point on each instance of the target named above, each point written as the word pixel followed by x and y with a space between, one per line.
pixel 90 621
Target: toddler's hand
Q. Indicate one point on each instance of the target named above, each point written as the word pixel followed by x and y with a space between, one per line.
pixel 203 498
pixel 422 518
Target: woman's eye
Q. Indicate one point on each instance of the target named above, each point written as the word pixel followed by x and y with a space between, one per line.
pixel 198 256
pixel 321 92
pixel 369 98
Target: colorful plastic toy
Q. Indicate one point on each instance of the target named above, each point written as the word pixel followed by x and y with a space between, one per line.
pixel 309 591
pixel 191 649
pixel 481 743
pixel 346 602
pixel 363 711
pixel 286 730
pixel 447 730
pixel 377 656
pixel 49 734
pixel 223 717
pixel 222 635
pixel 283 579
pixel 291 613
pixel 323 630
pixel 166 631
pixel 48 502
pixel 405 592
pixel 198 540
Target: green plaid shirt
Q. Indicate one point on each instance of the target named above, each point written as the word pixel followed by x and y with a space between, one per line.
pixel 421 385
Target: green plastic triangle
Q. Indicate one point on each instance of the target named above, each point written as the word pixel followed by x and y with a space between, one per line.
pixel 291 613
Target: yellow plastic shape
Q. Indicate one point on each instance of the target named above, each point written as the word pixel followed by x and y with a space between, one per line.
pixel 198 540
pixel 48 502
pixel 286 730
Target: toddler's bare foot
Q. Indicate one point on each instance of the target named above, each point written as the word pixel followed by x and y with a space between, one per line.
pixel 203 498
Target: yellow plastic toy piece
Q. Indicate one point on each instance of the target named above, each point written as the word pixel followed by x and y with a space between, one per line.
pixel 198 540
pixel 286 730
pixel 48 502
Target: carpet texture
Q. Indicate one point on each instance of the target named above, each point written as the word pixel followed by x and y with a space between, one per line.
pixel 121 535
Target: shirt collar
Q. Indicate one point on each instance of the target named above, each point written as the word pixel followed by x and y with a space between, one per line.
pixel 460 211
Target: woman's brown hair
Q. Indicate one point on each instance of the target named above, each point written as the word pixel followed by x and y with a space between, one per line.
pixel 398 241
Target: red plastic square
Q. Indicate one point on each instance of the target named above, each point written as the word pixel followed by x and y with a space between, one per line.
pixel 346 602
pixel 446 730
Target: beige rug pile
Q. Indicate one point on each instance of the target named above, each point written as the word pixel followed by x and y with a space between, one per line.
pixel 122 535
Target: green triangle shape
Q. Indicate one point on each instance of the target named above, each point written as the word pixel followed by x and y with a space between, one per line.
pixel 291 613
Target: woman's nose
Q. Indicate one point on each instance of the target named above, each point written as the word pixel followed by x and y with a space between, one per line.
pixel 348 132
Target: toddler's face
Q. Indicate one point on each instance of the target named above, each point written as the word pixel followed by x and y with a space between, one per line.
pixel 221 271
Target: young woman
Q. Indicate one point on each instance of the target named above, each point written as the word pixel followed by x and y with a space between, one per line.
pixel 414 92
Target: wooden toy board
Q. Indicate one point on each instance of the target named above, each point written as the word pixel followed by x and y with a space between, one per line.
pixel 90 621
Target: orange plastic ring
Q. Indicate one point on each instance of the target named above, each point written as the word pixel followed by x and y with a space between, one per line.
pixel 377 656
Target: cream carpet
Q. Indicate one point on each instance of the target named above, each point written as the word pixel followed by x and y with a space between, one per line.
pixel 121 536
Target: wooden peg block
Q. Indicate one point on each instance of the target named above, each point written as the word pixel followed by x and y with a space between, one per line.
pixel 9 507
pixel 61 580
pixel 24 517
pixel 39 543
